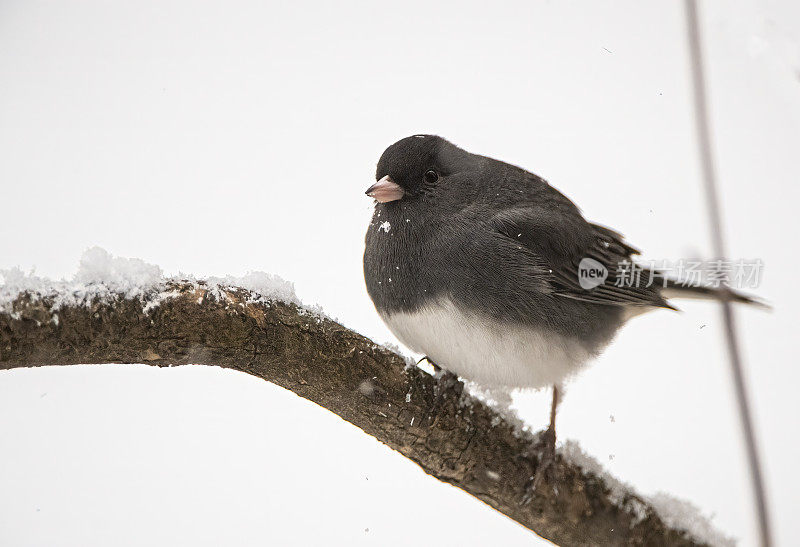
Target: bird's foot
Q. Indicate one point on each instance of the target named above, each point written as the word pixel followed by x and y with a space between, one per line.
pixel 545 468
pixel 447 386
pixel 545 471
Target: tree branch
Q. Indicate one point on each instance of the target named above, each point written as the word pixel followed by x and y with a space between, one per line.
pixel 452 436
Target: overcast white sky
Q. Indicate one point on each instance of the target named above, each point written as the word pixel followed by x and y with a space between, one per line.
pixel 219 137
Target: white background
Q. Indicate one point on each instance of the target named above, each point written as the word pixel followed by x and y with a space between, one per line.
pixel 218 138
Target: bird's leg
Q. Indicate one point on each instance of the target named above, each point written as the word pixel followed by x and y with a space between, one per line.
pixel 550 434
pixel 545 469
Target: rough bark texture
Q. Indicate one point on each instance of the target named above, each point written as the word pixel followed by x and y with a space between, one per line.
pixel 452 436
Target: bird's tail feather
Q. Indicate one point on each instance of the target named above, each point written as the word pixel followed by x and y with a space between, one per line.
pixel 680 289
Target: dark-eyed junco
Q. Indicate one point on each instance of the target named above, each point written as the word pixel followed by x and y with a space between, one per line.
pixel 492 273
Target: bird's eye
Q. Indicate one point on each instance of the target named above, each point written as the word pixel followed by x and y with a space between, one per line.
pixel 431 176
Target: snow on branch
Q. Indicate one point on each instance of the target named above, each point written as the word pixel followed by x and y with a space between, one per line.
pixel 124 311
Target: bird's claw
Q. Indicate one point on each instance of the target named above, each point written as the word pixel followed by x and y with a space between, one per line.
pixel 545 471
pixel 446 383
pixel 545 468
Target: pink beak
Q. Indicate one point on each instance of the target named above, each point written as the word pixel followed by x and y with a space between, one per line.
pixel 385 190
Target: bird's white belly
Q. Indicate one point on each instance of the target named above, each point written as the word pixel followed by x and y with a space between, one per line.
pixel 486 351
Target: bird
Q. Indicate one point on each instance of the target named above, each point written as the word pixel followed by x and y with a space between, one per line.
pixel 496 276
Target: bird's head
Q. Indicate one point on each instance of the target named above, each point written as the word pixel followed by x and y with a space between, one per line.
pixel 415 166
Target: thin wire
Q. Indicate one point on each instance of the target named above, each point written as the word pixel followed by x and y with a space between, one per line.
pixel 712 201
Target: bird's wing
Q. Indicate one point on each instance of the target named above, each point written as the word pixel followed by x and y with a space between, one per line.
pixel 563 240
